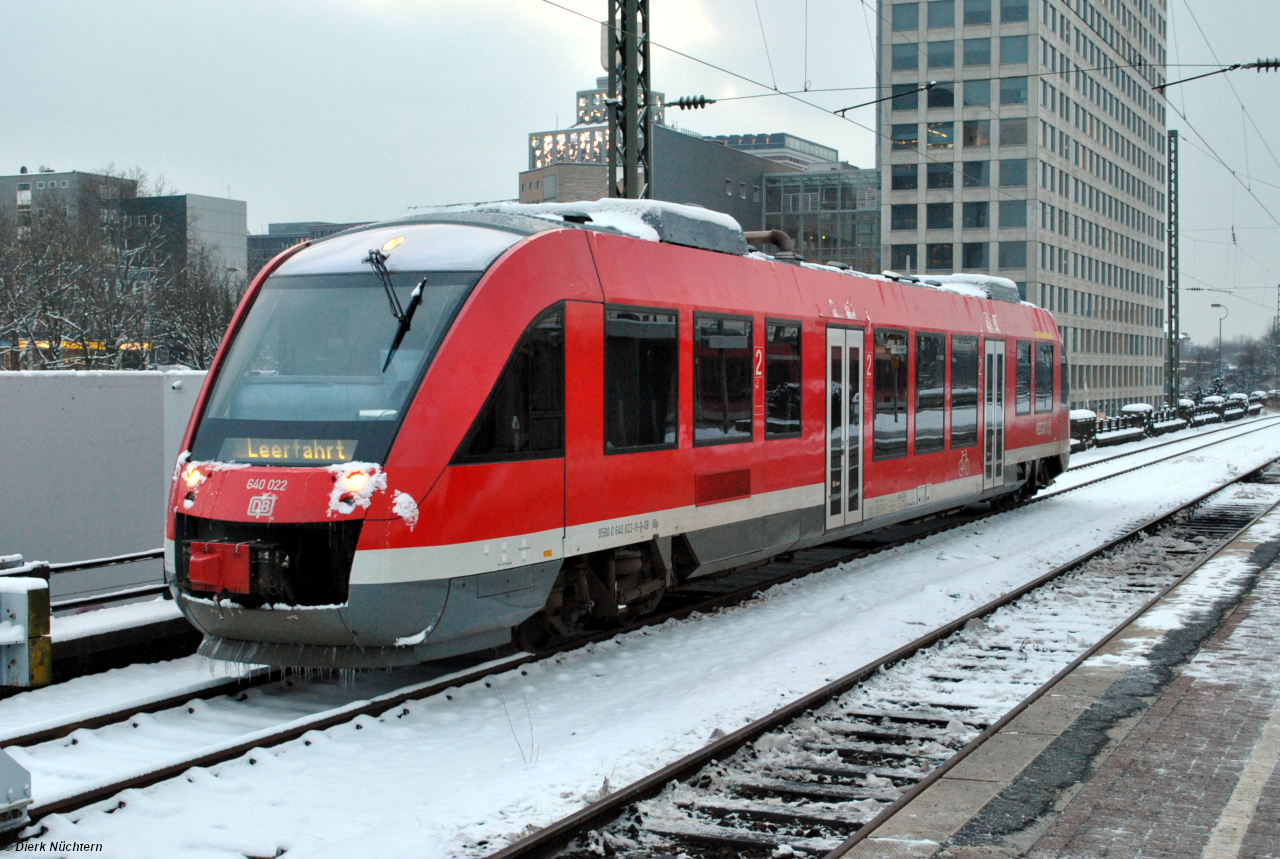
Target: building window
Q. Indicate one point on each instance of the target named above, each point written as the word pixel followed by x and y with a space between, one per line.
pixel 977 174
pixel 1013 172
pixel 906 56
pixel 1013 90
pixel 906 136
pixel 1013 10
pixel 742 190
pixel 964 391
pixel 903 216
pixel 977 11
pixel 977 132
pixel 641 366
pixel 942 55
pixel 782 379
pixel 728 187
pixel 974 256
pixel 973 216
pixel 906 16
pixel 906 96
pixel 942 135
pixel 940 176
pixel 977 52
pixel 942 95
pixel 904 177
pixel 524 418
pixel 931 380
pixel 1022 387
pixel 1013 132
pixel 889 438
pixel 1013 49
pixel 977 93
pixel 755 193
pixel 1013 255
pixel 722 380
pixel 1013 213
pixel 939 216
pixel 903 257
pixel 942 13
pixel 940 257
pixel 1044 377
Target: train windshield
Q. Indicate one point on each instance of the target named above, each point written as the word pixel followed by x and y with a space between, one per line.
pixel 307 380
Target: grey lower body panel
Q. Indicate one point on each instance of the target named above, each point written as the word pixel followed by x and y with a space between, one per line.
pixel 379 625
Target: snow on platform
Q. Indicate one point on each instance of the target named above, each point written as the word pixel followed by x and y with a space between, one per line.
pixel 104 620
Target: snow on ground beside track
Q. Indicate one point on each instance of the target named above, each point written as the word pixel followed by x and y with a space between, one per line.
pixel 1205 432
pixel 1137 455
pixel 463 773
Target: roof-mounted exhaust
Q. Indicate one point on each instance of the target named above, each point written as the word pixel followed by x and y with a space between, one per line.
pixel 783 242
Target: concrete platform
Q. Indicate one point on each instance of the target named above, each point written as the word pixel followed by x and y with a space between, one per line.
pixel 1163 744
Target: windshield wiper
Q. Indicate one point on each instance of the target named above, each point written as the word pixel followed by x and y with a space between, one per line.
pixel 403 315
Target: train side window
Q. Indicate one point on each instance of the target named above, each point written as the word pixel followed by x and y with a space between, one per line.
pixel 524 417
pixel 931 380
pixel 964 391
pixel 782 379
pixel 641 379
pixel 890 431
pixel 1064 375
pixel 1044 377
pixel 1022 394
pixel 722 379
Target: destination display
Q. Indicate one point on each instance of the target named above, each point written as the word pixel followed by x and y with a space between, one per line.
pixel 288 451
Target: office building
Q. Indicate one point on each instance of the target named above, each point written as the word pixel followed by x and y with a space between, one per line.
pixel 1039 155
pixel 182 221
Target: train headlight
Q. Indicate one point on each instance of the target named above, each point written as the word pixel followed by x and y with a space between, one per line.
pixel 392 244
pixel 191 474
pixel 354 482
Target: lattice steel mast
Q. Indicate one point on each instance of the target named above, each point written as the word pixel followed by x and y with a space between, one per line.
pixel 629 164
pixel 1172 357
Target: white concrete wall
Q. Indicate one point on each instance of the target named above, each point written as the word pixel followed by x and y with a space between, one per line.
pixel 86 461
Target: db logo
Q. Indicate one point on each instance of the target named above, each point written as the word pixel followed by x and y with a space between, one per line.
pixel 262 505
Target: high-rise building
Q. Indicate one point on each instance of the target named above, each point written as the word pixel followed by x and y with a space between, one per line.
pixel 1039 155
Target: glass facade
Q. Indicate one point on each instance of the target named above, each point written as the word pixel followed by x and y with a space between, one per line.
pixel 833 216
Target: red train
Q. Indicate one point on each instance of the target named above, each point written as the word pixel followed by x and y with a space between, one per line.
pixel 423 434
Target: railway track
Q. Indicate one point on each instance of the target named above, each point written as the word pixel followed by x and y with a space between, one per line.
pixel 1227 428
pixel 729 591
pixel 818 774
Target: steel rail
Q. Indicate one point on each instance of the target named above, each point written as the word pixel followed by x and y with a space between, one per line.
pixel 548 841
pixel 385 703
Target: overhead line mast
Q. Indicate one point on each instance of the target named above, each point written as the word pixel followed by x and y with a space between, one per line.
pixel 1172 357
pixel 630 103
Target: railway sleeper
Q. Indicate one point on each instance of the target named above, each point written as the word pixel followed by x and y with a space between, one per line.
pixel 786 815
pixel 879 734
pixel 754 843
pixel 910 716
pixel 898 775
pixel 810 790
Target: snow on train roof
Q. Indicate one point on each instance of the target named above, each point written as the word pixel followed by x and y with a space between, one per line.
pixel 650 220
pixel 426 247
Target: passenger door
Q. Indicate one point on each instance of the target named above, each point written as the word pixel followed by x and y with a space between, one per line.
pixel 993 415
pixel 845 383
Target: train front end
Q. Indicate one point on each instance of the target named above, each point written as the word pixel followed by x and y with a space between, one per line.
pixel 283 468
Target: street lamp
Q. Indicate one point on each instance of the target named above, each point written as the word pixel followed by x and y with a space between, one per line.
pixel 1225 313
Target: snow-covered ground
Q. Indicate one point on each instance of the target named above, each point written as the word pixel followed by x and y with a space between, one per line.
pixel 1202 434
pixel 460 774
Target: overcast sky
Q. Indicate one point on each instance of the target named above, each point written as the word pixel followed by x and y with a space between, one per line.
pixel 355 109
